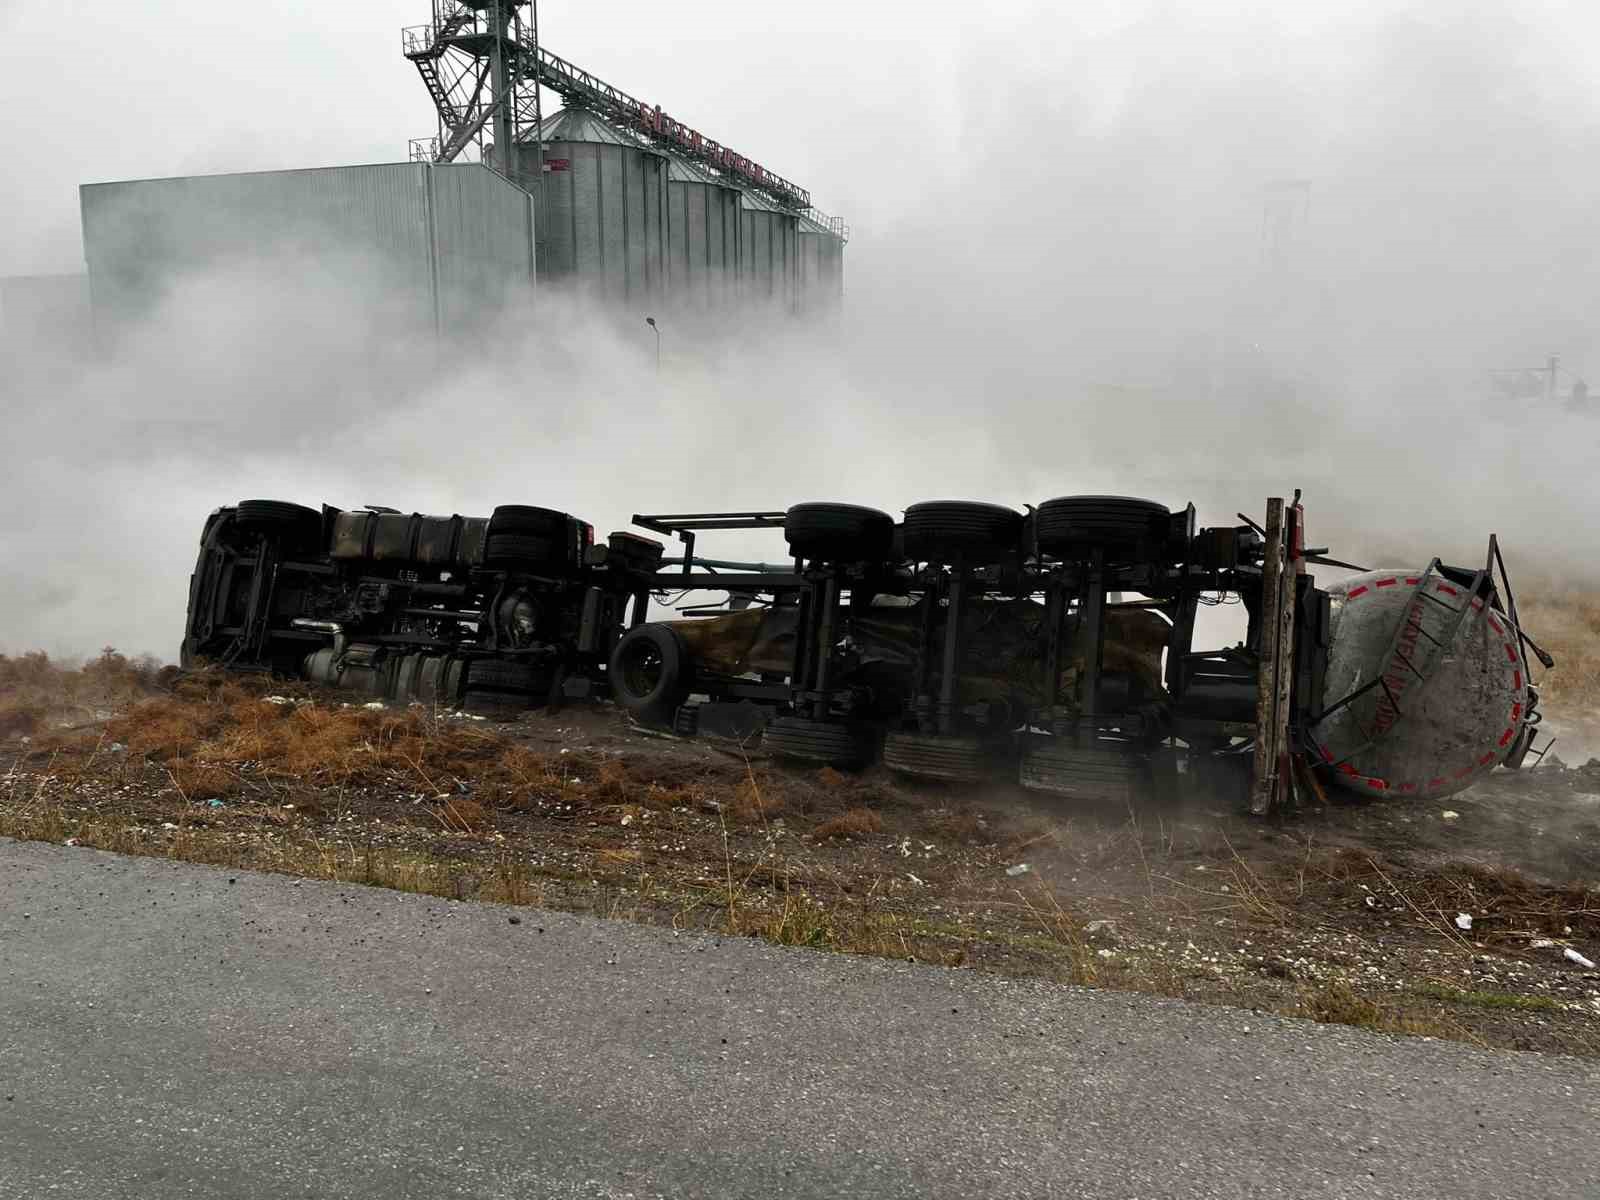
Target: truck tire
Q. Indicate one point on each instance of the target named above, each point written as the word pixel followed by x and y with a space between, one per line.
pixel 497 687
pixel 982 534
pixel 523 550
pixel 649 673
pixel 1092 773
pixel 1124 527
pixel 530 521
pixel 294 525
pixel 927 756
pixel 499 675
pixel 838 532
pixel 827 743
pixel 498 705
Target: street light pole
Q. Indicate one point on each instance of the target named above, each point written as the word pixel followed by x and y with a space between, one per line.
pixel 651 321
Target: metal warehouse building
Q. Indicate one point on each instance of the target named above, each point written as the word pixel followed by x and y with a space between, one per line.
pixel 438 240
pixel 610 199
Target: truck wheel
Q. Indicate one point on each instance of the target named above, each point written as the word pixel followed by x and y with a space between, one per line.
pixel 1122 526
pixel 924 756
pixel 829 743
pixel 649 673
pixel 498 686
pixel 498 705
pixel 838 532
pixel 686 721
pixel 1094 773
pixel 523 550
pixel 526 519
pixel 983 534
pixel 293 524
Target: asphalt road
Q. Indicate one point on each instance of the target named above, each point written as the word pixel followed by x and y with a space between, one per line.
pixel 170 1030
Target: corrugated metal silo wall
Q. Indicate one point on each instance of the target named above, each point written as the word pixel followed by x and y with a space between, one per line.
pixel 821 268
pixel 418 242
pixel 143 236
pixel 606 224
pixel 812 292
pixel 770 256
pixel 702 243
pixel 833 265
pixel 483 241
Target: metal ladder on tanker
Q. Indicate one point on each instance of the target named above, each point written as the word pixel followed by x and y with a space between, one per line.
pixel 1418 668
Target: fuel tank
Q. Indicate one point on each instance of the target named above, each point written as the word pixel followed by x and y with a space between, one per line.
pixel 1427 687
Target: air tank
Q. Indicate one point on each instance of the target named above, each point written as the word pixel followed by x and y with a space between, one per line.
pixel 1433 682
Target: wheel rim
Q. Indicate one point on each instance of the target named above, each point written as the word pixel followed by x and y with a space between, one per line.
pixel 642 669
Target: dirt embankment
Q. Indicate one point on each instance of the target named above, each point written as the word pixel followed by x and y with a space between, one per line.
pixel 1451 920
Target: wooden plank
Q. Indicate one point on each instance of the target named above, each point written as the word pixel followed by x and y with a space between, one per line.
pixel 1289 585
pixel 1264 776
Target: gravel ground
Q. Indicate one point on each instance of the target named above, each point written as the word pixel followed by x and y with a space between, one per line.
pixel 174 1030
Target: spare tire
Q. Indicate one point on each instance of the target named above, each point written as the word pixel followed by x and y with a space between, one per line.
pixel 940 530
pixel 1125 527
pixel 838 532
pixel 294 524
pixel 649 673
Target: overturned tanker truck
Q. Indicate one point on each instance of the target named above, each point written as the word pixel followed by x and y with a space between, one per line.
pixel 964 642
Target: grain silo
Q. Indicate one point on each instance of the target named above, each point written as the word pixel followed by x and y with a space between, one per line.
pixel 821 260
pixel 702 236
pixel 769 267
pixel 603 215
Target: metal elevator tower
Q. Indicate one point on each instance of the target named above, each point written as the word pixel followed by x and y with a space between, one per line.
pixel 484 68
pixel 472 60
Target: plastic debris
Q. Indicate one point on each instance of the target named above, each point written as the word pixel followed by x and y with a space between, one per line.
pixel 1463 920
pixel 213 803
pixel 1572 955
pixel 116 747
pixel 70 842
pixel 1019 869
pixel 373 704
pixel 1449 814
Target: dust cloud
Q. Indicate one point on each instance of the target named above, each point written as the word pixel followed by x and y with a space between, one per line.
pixel 1203 252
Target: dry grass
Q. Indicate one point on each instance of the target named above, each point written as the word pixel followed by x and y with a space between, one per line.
pixel 1564 618
pixel 853 822
pixel 1339 1003
pixel 37 692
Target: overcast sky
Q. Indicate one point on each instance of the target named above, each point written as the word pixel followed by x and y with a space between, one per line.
pixel 1055 272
